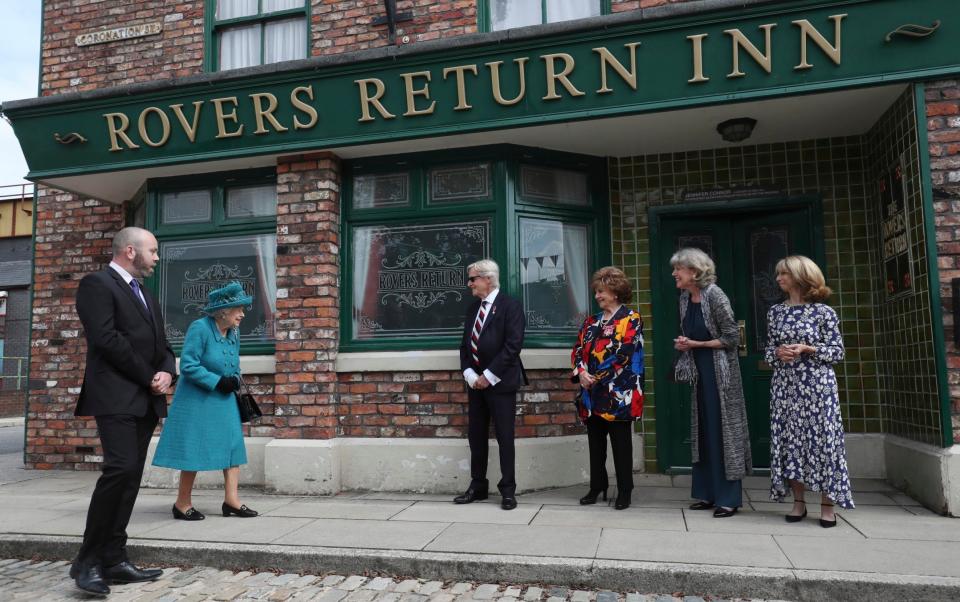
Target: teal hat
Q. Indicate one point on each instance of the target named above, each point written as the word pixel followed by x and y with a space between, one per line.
pixel 231 295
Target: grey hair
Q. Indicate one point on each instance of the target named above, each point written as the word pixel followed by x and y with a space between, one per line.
pixel 130 236
pixel 488 268
pixel 699 262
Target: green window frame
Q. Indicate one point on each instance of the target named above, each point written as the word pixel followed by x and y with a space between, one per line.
pixel 507 211
pixel 484 20
pixel 213 28
pixel 217 229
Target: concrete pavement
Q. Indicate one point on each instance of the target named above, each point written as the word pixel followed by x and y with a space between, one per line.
pixel 890 547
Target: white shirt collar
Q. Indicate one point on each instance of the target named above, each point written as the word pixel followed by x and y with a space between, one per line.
pixel 491 296
pixel 123 273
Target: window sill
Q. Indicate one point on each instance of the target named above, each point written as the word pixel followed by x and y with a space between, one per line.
pixel 253 364
pixel 425 361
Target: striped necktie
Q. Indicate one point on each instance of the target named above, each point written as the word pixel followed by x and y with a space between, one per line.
pixel 475 335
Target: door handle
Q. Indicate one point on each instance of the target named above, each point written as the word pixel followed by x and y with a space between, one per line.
pixel 742 345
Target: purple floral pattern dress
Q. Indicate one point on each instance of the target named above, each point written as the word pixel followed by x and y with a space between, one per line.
pixel 806 434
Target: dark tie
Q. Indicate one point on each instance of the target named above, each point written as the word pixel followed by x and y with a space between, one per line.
pixel 475 335
pixel 135 285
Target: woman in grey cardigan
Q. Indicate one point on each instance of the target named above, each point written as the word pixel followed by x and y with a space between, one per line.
pixel 708 361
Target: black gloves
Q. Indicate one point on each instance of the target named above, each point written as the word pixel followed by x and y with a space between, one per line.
pixel 228 384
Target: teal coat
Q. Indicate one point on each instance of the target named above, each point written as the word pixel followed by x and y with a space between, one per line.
pixel 202 430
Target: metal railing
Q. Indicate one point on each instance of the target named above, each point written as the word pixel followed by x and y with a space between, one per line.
pixel 7 376
pixel 23 190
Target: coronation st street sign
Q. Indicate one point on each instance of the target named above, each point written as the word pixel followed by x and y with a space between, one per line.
pixel 628 69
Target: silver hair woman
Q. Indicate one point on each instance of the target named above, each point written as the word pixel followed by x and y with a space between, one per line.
pixel 708 361
pixel 487 268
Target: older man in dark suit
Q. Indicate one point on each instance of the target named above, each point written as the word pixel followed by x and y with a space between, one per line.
pixel 490 360
pixel 130 367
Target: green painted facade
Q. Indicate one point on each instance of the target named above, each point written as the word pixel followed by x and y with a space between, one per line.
pixel 565 77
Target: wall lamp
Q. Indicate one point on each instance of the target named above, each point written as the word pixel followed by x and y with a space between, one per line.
pixel 736 130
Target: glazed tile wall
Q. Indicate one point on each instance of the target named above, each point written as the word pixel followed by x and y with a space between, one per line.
pixel 905 325
pixel 888 380
pixel 833 168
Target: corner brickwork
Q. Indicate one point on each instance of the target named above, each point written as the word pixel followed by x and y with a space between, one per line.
pixel 943 137
pixel 72 238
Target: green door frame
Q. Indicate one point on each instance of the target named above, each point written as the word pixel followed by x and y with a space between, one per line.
pixel 662 337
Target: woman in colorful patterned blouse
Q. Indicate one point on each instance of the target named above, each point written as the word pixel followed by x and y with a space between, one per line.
pixel 806 435
pixel 608 364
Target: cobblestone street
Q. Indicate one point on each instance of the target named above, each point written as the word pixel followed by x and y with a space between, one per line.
pixel 48 581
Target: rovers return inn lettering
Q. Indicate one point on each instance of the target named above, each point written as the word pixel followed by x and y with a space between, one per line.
pixel 558 75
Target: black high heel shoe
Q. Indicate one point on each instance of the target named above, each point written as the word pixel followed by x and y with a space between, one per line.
pixel 793 518
pixel 623 501
pixel 191 514
pixel 242 511
pixel 592 495
pixel 826 524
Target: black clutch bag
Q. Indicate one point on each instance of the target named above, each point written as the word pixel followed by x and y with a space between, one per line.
pixel 246 404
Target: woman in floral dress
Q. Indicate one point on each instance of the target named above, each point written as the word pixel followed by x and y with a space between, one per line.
pixel 806 435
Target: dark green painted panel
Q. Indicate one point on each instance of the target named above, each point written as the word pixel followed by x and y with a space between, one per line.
pixel 664 66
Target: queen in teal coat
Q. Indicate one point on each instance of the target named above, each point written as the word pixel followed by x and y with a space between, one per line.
pixel 202 430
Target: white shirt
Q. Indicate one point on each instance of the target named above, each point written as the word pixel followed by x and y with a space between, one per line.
pixel 470 375
pixel 127 278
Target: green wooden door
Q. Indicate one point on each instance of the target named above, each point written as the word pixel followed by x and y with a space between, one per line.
pixel 745 245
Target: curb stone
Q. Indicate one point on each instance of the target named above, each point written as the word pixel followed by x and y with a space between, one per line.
pixel 623 576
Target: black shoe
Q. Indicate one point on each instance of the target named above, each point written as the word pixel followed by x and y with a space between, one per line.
pixel 793 518
pixel 722 512
pixel 508 503
pixel 469 496
pixel 90 580
pixel 592 495
pixel 701 506
pixel 127 572
pixel 191 514
pixel 242 511
pixel 623 501
pixel 826 524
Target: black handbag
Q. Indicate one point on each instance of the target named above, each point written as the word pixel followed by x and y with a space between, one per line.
pixel 246 404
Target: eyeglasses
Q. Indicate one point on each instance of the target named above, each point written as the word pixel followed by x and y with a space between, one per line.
pixel 472 278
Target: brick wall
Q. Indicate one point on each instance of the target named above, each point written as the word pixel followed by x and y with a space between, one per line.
pixel 434 404
pixel 175 52
pixel 308 250
pixel 72 238
pixel 943 125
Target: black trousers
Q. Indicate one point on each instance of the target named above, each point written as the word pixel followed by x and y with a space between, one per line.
pixel 501 406
pixel 125 440
pixel 621 440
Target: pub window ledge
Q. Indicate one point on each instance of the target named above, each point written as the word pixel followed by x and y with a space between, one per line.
pixel 447 359
pixel 253 364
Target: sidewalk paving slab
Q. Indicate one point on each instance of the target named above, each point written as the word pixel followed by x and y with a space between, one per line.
pixel 734 549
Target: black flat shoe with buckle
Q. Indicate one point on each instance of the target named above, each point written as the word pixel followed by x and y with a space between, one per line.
pixel 722 512
pixel 701 506
pixel 191 514
pixel 242 511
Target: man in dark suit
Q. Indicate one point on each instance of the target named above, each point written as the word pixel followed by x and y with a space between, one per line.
pixel 490 360
pixel 130 367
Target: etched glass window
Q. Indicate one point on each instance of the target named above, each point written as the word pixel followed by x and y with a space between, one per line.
pixel 251 201
pixel 410 281
pixel 555 260
pixel 190 269
pixel 186 207
pixel 453 183
pixel 377 191
pixel 557 186
pixel 767 247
